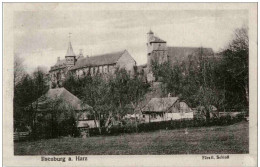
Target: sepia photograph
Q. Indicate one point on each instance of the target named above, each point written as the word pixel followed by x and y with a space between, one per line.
pixel 156 81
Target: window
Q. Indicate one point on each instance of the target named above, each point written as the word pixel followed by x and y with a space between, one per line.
pixel 105 69
pixel 91 70
pixel 153 116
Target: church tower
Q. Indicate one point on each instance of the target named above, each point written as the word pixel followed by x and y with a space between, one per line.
pixel 70 55
pixel 156 50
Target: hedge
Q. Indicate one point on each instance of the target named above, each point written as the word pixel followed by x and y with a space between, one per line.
pixel 172 124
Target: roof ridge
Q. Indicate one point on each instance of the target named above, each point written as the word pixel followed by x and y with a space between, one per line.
pixel 97 60
pixel 120 55
pixel 189 47
pixel 99 55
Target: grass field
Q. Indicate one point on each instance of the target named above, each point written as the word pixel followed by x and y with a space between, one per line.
pixel 204 140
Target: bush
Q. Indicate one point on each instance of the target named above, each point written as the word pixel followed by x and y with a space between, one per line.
pixel 172 124
pixel 48 128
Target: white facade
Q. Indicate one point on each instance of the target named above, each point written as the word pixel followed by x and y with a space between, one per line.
pixel 158 117
pixel 88 124
pixel 126 61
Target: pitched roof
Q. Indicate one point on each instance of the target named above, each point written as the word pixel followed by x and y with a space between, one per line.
pixel 184 106
pixel 104 59
pixel 67 100
pixel 183 53
pixel 70 51
pixel 160 104
pixel 150 32
pixel 157 40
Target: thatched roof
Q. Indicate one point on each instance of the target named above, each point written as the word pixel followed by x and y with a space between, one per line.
pixel 59 98
pixel 160 104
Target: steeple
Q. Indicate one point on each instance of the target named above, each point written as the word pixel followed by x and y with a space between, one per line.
pixel 70 55
pixel 70 49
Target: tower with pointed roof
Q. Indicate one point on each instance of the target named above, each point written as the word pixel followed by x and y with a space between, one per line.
pixel 156 50
pixel 70 55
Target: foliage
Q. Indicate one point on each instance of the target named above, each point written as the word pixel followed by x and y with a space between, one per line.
pixel 26 91
pixel 108 95
pixel 234 70
pixel 172 124
pixel 57 119
pixel 205 80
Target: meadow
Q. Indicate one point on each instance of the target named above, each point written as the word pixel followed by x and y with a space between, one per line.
pixel 232 139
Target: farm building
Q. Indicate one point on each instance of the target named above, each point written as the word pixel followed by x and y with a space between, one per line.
pixel 61 100
pixel 163 109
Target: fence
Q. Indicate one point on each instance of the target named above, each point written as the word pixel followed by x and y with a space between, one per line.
pixel 18 136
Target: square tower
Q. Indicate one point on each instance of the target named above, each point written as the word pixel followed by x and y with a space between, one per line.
pixel 156 50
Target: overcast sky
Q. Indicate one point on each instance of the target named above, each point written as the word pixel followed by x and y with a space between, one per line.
pixel 41 37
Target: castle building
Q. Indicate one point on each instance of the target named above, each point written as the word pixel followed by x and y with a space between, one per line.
pixel 106 64
pixel 159 52
pixel 78 65
pixel 156 50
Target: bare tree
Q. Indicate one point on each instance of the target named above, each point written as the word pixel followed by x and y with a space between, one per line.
pixel 19 72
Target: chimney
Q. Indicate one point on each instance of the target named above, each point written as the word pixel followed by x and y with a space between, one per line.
pixel 58 59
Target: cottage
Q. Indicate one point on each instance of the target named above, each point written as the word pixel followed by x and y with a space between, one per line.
pixel 62 100
pixel 163 109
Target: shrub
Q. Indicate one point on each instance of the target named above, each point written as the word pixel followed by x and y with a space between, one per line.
pixel 171 124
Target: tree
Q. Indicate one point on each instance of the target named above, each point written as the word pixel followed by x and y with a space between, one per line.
pixel 26 91
pixel 235 68
pixel 39 88
pixel 55 117
pixel 19 72
pixel 136 92
pixel 23 96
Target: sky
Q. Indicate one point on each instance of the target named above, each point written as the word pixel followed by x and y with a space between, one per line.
pixel 42 36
